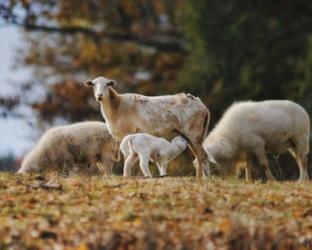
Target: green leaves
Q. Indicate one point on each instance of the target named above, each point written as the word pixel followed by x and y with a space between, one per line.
pixel 247 50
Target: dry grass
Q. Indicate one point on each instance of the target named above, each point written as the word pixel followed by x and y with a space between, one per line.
pixel 164 213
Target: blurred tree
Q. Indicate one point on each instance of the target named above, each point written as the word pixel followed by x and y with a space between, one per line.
pixel 134 41
pixel 248 50
pixel 8 105
pixel 235 50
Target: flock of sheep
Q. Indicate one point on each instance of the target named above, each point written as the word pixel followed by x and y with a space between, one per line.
pixel 145 124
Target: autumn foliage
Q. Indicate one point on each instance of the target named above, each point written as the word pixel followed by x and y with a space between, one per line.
pixel 166 213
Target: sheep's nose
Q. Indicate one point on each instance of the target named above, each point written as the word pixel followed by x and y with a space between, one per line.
pixel 99 97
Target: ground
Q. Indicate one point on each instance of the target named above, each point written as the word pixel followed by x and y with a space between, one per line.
pixel 159 213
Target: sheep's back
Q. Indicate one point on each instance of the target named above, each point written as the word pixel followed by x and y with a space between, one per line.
pixel 270 120
pixel 88 139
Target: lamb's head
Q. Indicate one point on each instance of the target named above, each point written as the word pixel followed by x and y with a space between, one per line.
pixel 179 142
pixel 100 86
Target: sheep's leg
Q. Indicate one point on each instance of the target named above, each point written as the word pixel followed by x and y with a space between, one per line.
pixel 102 168
pixel 66 168
pixel 202 167
pixel 110 168
pixel 302 162
pixel 99 167
pixel 107 168
pixel 248 166
pixel 197 168
pixel 300 151
pixel 144 160
pixel 263 161
pixel 129 162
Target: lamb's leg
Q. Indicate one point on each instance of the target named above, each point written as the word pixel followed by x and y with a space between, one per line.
pixel 144 160
pixel 129 162
pixel 263 161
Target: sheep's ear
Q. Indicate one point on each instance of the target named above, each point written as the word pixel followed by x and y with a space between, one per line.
pixel 112 83
pixel 89 83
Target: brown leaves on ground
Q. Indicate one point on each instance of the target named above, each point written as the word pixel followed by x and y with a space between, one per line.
pixel 161 213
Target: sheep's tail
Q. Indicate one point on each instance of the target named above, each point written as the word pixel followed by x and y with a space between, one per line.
pixel 206 125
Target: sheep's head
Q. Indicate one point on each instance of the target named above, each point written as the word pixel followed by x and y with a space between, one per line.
pixel 100 87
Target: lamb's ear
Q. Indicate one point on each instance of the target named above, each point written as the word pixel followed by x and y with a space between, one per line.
pixel 89 83
pixel 112 83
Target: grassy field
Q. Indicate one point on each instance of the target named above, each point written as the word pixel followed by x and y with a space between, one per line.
pixel 161 213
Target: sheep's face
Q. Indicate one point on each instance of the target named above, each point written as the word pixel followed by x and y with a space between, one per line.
pixel 100 86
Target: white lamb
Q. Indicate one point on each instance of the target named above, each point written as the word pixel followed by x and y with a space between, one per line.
pixel 254 128
pixel 147 147
pixel 68 146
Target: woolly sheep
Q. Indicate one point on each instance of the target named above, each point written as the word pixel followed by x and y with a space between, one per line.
pixel 67 146
pixel 254 128
pixel 164 116
pixel 147 147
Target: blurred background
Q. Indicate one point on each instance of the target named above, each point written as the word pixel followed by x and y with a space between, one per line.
pixel 222 51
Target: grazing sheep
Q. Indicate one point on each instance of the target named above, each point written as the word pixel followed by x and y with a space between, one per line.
pixel 67 146
pixel 164 116
pixel 254 128
pixel 147 147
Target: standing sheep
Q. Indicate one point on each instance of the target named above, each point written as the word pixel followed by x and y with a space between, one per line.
pixel 164 116
pixel 66 146
pixel 147 147
pixel 254 128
